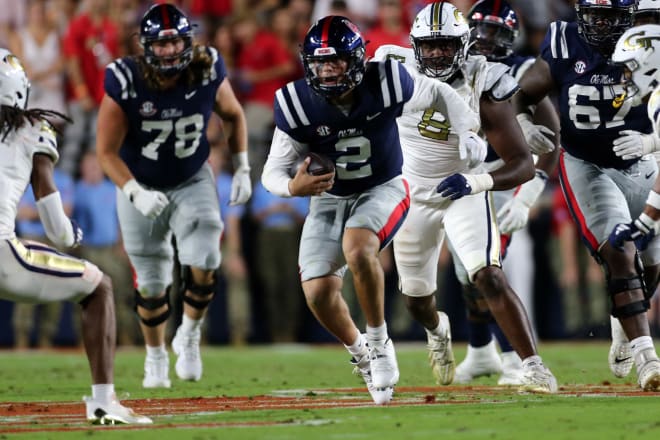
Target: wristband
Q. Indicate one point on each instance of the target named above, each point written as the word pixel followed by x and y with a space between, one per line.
pixel 240 160
pixel 653 200
pixel 479 182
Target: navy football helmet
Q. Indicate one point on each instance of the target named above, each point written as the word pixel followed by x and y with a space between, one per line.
pixel 494 27
pixel 330 38
pixel 602 22
pixel 164 22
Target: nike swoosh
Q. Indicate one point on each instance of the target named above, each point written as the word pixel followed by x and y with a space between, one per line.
pixel 619 360
pixel 190 95
pixel 375 115
pixel 649 174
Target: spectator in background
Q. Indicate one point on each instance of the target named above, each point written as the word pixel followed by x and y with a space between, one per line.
pixel 263 65
pixel 284 27
pixel 95 210
pixel 362 12
pixel 280 222
pixel 29 227
pixel 90 43
pixel 301 12
pixel 391 27
pixel 12 17
pixel 37 44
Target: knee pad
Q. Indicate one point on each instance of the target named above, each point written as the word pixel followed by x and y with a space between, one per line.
pixel 470 296
pixel 153 304
pixel 616 286
pixel 205 292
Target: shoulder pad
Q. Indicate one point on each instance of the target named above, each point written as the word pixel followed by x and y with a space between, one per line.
pixel 123 75
pixel 392 52
pixel 42 138
pixel 499 83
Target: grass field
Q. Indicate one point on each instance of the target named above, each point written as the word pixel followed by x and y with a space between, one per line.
pixel 308 392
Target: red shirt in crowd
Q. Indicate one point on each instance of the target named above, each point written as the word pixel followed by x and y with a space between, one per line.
pixel 95 46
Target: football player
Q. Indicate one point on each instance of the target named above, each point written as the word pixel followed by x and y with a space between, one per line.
pixel 33 272
pixel 603 187
pixel 647 12
pixel 345 108
pixel 461 206
pixel 494 27
pixel 152 143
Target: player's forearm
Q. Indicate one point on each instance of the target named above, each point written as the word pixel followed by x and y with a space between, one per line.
pixel 516 171
pixel 115 168
pixel 236 129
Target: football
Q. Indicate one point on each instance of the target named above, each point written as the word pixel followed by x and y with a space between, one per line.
pixel 319 164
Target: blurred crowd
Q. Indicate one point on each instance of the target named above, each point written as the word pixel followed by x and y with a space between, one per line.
pixel 65 46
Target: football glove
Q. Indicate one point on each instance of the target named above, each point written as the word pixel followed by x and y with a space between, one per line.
pixel 633 144
pixel 538 137
pixel 150 203
pixel 459 185
pixel 641 231
pixel 241 185
pixel 513 215
pixel 472 147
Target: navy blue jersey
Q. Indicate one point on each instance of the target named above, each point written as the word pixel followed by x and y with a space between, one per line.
pixel 363 144
pixel 587 86
pixel 166 141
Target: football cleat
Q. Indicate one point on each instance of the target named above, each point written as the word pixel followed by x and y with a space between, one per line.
pixel 648 376
pixel 189 362
pixel 112 413
pixel 620 357
pixel 441 356
pixel 156 372
pixel 512 370
pixel 537 378
pixel 362 368
pixel 384 367
pixel 479 361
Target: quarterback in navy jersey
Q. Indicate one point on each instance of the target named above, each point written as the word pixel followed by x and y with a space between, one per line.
pixel 603 189
pixel 346 109
pixel 152 143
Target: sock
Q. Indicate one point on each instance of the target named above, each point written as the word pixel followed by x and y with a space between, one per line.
pixel 377 335
pixel 534 359
pixel 156 352
pixel 479 334
pixel 189 325
pixel 501 339
pixel 103 392
pixel 358 347
pixel 642 350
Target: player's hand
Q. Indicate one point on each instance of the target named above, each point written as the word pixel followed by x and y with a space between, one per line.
pixel 454 187
pixel 637 231
pixel 77 234
pixel 538 137
pixel 633 144
pixel 150 203
pixel 512 216
pixel 304 184
pixel 241 187
pixel 472 147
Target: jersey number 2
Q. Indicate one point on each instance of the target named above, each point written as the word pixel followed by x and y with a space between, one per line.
pixel 187 130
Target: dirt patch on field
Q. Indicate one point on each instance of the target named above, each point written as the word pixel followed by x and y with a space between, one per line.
pixel 25 417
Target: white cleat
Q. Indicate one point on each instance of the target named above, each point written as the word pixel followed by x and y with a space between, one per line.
pixel 537 378
pixel 112 413
pixel 512 370
pixel 620 357
pixel 478 362
pixel 362 368
pixel 189 361
pixel 441 356
pixel 648 375
pixel 384 367
pixel 156 372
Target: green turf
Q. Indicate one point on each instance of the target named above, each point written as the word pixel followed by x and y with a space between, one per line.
pixel 255 371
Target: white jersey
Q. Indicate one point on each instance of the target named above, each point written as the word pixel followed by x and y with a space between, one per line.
pixel 16 151
pixel 429 142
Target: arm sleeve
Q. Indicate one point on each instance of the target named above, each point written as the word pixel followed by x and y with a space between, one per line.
pixel 430 93
pixel 284 151
pixel 57 225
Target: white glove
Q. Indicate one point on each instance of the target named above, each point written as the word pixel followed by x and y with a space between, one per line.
pixel 149 203
pixel 241 185
pixel 536 136
pixel 472 147
pixel 633 144
pixel 515 212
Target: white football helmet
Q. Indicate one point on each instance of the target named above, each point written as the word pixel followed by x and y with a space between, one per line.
pixel 440 36
pixel 647 12
pixel 14 84
pixel 638 50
